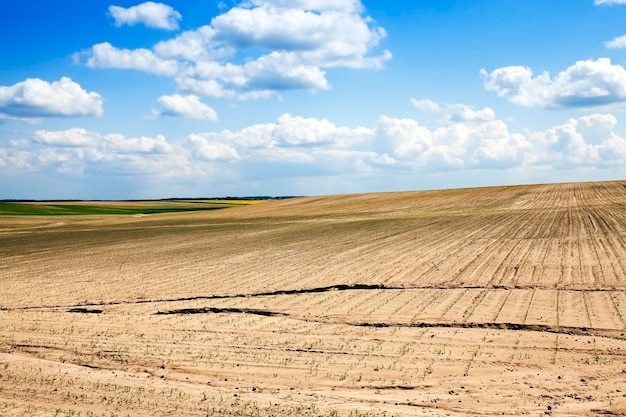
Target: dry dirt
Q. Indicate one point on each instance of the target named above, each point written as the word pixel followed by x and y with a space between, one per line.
pixel 487 301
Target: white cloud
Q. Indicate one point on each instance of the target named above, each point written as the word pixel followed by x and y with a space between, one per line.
pixel 348 6
pixel 402 138
pixel 609 2
pixel 142 145
pixel 271 28
pixel 75 137
pixel 77 151
pixel 476 142
pixel 616 43
pixel 496 148
pixel 203 87
pixel 211 149
pixel 425 105
pixel 296 147
pixel 257 48
pixel 151 14
pixel 82 138
pixel 452 113
pixel 255 95
pixel 299 131
pixel 105 55
pixel 18 143
pixel 282 71
pixel 464 113
pixel 193 45
pixel 35 98
pixel 188 106
pixel 586 141
pixel 228 74
pixel 253 80
pixel 331 37
pixel 584 84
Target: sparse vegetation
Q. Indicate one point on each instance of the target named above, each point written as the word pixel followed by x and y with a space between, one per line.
pixel 448 301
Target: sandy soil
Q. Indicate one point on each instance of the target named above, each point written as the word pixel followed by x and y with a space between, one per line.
pixel 489 301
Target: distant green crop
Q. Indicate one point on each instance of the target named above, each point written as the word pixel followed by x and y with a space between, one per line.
pixel 54 209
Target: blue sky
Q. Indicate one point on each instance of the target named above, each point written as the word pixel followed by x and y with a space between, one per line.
pixel 123 99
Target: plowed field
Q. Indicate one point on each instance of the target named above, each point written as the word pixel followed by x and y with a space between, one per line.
pixel 485 301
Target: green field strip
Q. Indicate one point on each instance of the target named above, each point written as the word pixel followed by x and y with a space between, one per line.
pixel 54 209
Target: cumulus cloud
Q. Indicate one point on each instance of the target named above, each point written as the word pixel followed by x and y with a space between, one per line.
pixel 81 138
pixel 257 48
pixel 188 106
pixel 142 145
pixel 77 151
pixel 467 138
pixel 586 141
pixel 211 149
pixel 282 71
pixel 618 42
pixel 192 45
pixel 75 137
pixel 296 147
pixel 34 98
pixel 105 55
pixel 333 36
pixel 584 84
pixel 402 138
pixel 151 14
pixel 292 134
pixel 478 142
pixel 452 113
pixel 299 131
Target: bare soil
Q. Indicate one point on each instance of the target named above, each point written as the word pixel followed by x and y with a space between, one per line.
pixel 486 301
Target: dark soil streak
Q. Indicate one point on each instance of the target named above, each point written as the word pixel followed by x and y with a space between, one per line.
pixel 84 310
pixel 81 308
pixel 217 310
pixel 567 330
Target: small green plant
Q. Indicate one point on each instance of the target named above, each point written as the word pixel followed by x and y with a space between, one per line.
pixel 556 349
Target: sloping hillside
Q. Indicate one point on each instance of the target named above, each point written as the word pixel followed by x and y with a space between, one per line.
pixel 562 236
pixel 452 302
